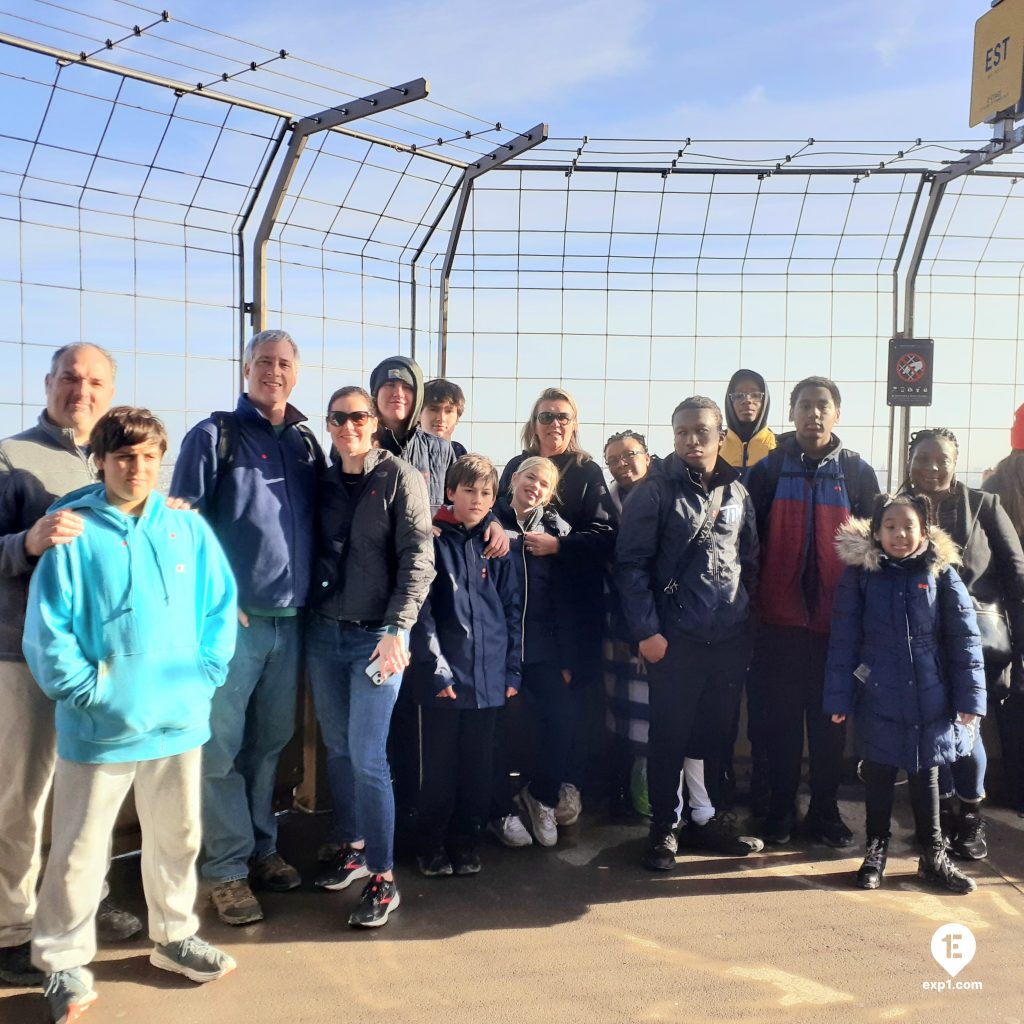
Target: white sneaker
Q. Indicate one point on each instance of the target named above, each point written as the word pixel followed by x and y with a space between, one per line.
pixel 569 806
pixel 510 831
pixel 541 818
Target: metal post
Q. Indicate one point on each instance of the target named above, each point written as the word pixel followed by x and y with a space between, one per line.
pixel 419 252
pixel 902 439
pixel 527 140
pixel 244 307
pixel 388 99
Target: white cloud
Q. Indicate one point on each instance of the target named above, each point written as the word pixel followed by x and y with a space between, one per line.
pixel 927 111
pixel 479 56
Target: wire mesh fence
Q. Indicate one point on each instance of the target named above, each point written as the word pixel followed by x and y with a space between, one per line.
pixel 632 272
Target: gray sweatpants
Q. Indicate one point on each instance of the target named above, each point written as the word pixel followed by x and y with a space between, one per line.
pixel 87 798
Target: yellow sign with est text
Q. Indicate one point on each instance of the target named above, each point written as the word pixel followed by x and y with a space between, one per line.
pixel 998 78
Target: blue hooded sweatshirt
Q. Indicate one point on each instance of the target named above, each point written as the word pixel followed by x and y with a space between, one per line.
pixel 130 629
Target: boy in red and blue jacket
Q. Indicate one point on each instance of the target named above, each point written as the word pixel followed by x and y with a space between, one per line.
pixel 803 492
pixel 466 652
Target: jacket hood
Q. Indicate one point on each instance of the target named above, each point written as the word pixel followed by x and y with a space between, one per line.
pixel 857 547
pixel 94 496
pixel 444 520
pixel 746 430
pixel 402 368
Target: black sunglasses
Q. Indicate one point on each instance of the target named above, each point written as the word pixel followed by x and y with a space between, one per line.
pixel 550 417
pixel 339 419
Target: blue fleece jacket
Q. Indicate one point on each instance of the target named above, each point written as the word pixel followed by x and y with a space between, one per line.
pixel 262 508
pixel 129 629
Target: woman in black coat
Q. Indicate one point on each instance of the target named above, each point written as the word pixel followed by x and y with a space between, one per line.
pixel 583 502
pixel 993 571
pixel 1007 481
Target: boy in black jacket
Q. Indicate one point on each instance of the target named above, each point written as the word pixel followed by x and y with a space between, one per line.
pixel 467 652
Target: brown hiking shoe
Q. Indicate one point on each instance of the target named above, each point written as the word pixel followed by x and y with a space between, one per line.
pixel 275 873
pixel 235 902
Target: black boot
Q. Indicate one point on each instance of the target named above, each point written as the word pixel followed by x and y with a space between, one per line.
pixel 936 868
pixel 969 841
pixel 872 871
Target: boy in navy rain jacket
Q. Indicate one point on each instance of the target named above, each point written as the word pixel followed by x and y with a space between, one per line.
pixel 466 658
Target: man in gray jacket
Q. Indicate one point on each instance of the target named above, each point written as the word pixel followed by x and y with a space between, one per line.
pixel 38 466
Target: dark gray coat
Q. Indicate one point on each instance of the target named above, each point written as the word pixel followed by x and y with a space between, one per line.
pixel 381 572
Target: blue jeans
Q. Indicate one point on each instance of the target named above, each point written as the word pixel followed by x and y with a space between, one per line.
pixel 251 721
pixel 354 715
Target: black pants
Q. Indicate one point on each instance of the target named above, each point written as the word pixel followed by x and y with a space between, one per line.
pixel 556 711
pixel 757 727
pixel 791 663
pixel 514 753
pixel 692 691
pixel 879 783
pixel 1010 718
pixel 404 747
pixel 458 763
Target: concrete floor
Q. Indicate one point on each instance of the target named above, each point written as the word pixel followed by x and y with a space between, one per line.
pixel 582 933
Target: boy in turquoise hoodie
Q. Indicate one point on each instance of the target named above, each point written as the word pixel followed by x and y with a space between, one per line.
pixel 130 630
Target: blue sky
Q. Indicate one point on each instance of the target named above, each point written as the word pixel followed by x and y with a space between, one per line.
pixel 633 68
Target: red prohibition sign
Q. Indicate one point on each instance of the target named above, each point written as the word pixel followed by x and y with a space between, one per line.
pixel 910 367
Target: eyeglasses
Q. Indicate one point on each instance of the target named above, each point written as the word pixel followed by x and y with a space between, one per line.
pixel 742 396
pixel 549 417
pixel 339 419
pixel 624 458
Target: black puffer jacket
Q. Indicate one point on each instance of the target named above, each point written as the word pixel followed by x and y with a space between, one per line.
pixel 667 582
pixel 1007 480
pixel 380 573
pixel 549 621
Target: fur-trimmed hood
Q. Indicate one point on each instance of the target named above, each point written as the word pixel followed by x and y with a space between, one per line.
pixel 857 547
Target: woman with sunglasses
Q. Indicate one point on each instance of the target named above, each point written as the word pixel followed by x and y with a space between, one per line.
pixel 582 500
pixel 375 562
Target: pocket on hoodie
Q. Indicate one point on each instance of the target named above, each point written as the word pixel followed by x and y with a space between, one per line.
pixel 148 692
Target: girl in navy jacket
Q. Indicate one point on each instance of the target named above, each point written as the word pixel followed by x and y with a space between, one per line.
pixel 905 660
pixel 550 631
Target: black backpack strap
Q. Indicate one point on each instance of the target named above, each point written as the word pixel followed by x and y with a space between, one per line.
pixel 312 444
pixel 850 460
pixel 227 445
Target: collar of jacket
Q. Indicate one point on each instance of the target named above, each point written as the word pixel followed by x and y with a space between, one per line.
pixel 374 457
pixel 247 411
pixel 721 475
pixel 445 520
pixel 64 436
pixel 855 546
pixel 788 443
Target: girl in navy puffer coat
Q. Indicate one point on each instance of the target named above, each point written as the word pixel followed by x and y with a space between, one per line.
pixel 905 660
